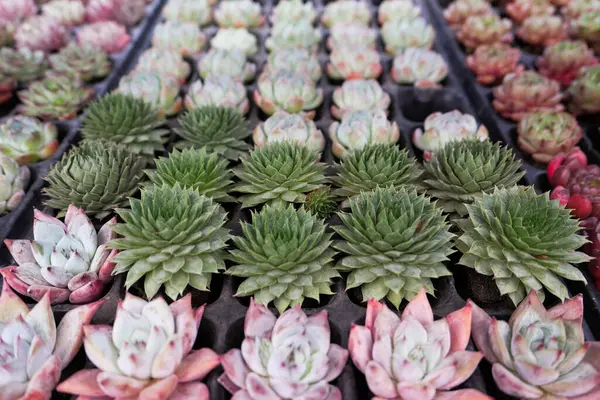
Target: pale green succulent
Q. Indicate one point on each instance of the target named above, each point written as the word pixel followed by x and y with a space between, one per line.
pixel 354 63
pixel 288 91
pixel 198 12
pixel 165 62
pixel 235 39
pixel 321 202
pixel 293 127
pixel 23 65
pixel 390 10
pixel 27 140
pixel 359 95
pixel 232 63
pixel 352 35
pixel 13 182
pixel 293 35
pixel 346 11
pixel 293 11
pixel 184 37
pixel 86 61
pixel 67 12
pixel 295 60
pixel 400 35
pixel 158 90
pixel 220 90
pixel 239 14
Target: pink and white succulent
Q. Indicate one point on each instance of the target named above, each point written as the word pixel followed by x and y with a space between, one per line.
pixel 12 12
pixel 108 36
pixel 41 33
pixel 127 12
pixel 67 12
pixel 352 63
pixel 419 67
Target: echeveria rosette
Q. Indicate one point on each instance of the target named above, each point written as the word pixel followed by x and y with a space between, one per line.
pixel 400 35
pixel 587 27
pixel 147 353
pixel 34 350
pixel 293 11
pixel 359 95
pixel 85 61
pixel 390 10
pixel 563 61
pixel 492 62
pixel 184 37
pixel 575 8
pixel 27 140
pixel 351 63
pixel 235 39
pixel 520 10
pixel 484 29
pixel 220 90
pixel 353 35
pixel 345 11
pixel 542 30
pixel 198 12
pixel 458 11
pixel 293 35
pixel 13 12
pixel 299 60
pixel 128 12
pixel 161 91
pixel 584 92
pixel 525 241
pixel 108 36
pixel 68 12
pixel 172 238
pixel 24 65
pixel 42 33
pixel 285 256
pixel 232 63
pixel 239 14
pixel 539 353
pixel 13 182
pixel 284 358
pixel 420 67
pixel 165 62
pixel 413 356
pixel 293 127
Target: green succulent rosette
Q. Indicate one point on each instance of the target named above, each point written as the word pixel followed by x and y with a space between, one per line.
pixel 198 12
pixel 231 63
pixel 184 37
pixel 27 140
pixel 159 90
pixel 84 60
pixel 298 60
pixel 235 39
pixel 293 35
pixel 23 65
pixel 165 62
pixel 321 202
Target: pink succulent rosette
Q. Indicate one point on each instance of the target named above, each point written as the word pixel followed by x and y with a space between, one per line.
pixel 108 36
pixel 539 353
pixel 126 12
pixel 290 357
pixel 415 357
pixel 41 32
pixel 14 11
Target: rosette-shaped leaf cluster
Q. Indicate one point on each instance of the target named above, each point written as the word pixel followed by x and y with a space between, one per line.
pixel 419 67
pixel 220 129
pixel 239 14
pixel 68 12
pixel 400 35
pixel 520 10
pixel 184 37
pixel 360 128
pixel 159 90
pixel 125 120
pixel 540 353
pixel 584 92
pixel 97 176
pixel 284 358
pixel 458 11
pixel 172 237
pixel 235 39
pixel 23 65
pixel 587 27
pixel 321 202
pixel 493 62
pixel 564 60
pixel 85 61
pixel 107 36
pixel 27 140
pixel 542 30
pixel 442 128
pixel 525 241
pixel 489 28
pixel 395 10
pixel 350 63
pixel 232 63
pixel 293 35
pixel 165 62
pixel 198 12
pixel 282 126
pixel 345 11
pixel 220 90
pixel 576 8
pixel 298 60
pixel 147 353
pixel 353 35
pixel 13 12
pixel 34 351
pixel 293 11
pixel 545 134
pixel 359 95
pixel 285 256
pixel 128 12
pixel 7 85
pixel 278 173
pixel 461 171
pixel 13 181
pixel 394 242
pixel 415 357
pixel 41 33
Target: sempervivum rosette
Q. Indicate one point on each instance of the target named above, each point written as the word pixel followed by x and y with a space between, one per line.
pixel 321 202
pixel 23 65
pixel 539 353
pixel 86 61
pixel 293 35
pixel 13 12
pixel 295 60
pixel 235 39
pixel 419 67
pixel 159 90
pixel 34 351
pixel 172 237
pixel 198 12
pixel 576 8
pixel 220 90
pixel 232 63
pixel 394 242
pixel 184 37
pixel 353 35
pixel 352 63
pixel 520 10
pixel 292 11
pixel 27 140
pixel 67 12
pixel 587 27
pixel 108 36
pixel 483 29
pixel 359 128
pixel 239 14
pixel 345 11
pixel 7 86
pixel 128 12
pixel 299 362
pixel 41 33
pixel 458 11
pixel 442 128
pixel 285 256
pixel 415 357
pixel 358 95
pixel 400 35
pixel 165 62
pixel 391 10
pixel 584 92
pixel 493 62
pixel 13 182
pixel 564 60
pixel 542 30
pixel 283 126
pixel 146 354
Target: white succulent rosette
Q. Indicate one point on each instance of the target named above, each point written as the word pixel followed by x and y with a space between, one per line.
pixel 359 128
pixel 358 95
pixel 295 60
pixel 441 128
pixel 231 63
pixel 184 37
pixel 354 63
pixel 293 35
pixel 400 35
pixel 198 12
pixel 239 14
pixel 13 182
pixel 354 35
pixel 345 11
pixel 158 90
pixel 283 126
pixel 164 61
pixel 235 39
pixel 220 90
pixel 293 11
pixel 290 357
pixel 419 67
pixel 66 12
pixel 288 91
pixel 397 10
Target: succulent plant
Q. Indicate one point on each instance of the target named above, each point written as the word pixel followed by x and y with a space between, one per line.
pixel 545 134
pixel 526 92
pixel 220 90
pixel 184 251
pixel 232 63
pixel 34 350
pixel 148 352
pixel 353 35
pixel 220 129
pixel 461 171
pixel 400 35
pixel 419 67
pixel 239 14
pixel 159 90
pixel 293 92
pixel 484 29
pixel 13 182
pixel 287 11
pixel 492 62
pixel 13 12
pixel 525 241
pixel 442 128
pixel 23 65
pixel 293 127
pixel 97 176
pixel 520 10
pixel 235 39
pixel 184 37
pixel 27 140
pixel 584 92
pixel 285 256
pixel 458 11
pixel 195 169
pixel 66 12
pixel 354 63
pixel 539 353
pixel 107 36
pixel 197 12
pixel 358 95
pixel 295 60
pixel 128 12
pixel 396 10
pixel 321 202
pixel 345 11
pixel 267 364
pixel 40 33
pixel 165 62
pixel 7 86
pixel 293 35
pixel 542 30
pixel 575 8
pixel 86 61
pixel 563 61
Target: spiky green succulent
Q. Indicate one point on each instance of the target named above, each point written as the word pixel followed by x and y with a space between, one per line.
pixel 97 176
pixel 220 129
pixel 523 240
pixel 125 120
pixel 23 64
pixel 395 241
pixel 171 237
pixel 195 169
pixel 462 171
pixel 321 202
pixel 285 256
pixel 85 60
pixel 278 173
